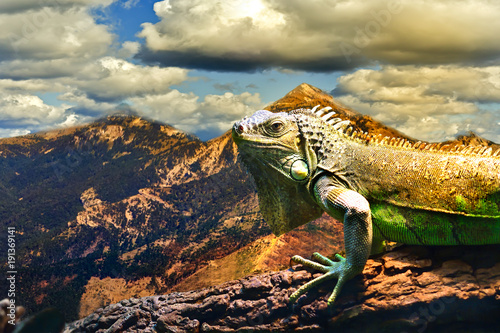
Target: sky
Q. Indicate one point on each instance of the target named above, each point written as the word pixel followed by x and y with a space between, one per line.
pixel 430 69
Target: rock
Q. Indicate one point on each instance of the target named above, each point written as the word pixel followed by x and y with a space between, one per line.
pixel 409 289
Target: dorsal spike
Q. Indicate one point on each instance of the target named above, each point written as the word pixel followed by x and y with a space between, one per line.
pixel 468 150
pixel 479 150
pixel 333 121
pixel 313 110
pixel 323 111
pixel 444 148
pixel 348 130
pixel 496 153
pixel 341 124
pixel 487 151
pixel 326 109
pixel 327 115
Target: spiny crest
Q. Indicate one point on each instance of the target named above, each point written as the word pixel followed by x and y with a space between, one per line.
pixel 344 127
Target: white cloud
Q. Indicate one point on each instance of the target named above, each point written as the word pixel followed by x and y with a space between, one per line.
pixel 85 104
pixel 44 33
pixel 162 8
pixel 111 78
pixel 28 107
pixel 19 86
pixel 24 113
pixel 215 114
pixel 411 84
pixel 129 49
pixel 428 103
pixel 7 132
pixel 130 3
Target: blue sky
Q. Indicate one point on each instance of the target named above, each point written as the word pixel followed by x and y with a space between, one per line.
pixel 430 69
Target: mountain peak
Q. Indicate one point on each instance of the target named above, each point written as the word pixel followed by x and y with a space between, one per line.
pixel 305 89
pixel 308 96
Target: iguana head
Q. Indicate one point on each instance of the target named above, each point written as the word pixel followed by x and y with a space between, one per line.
pixel 276 154
pixel 273 140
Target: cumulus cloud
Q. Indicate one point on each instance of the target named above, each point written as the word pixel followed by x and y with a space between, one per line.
pixel 320 35
pixel 212 116
pixel 19 86
pixel 15 6
pixel 25 113
pixel 410 84
pixel 110 78
pixel 129 49
pixel 8 132
pixel 52 33
pixel 428 103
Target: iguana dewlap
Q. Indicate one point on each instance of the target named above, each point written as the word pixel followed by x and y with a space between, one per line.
pixel 307 161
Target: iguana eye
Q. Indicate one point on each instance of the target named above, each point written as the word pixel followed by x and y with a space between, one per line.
pixel 277 126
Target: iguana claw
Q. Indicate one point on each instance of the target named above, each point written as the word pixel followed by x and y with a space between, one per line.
pixel 333 269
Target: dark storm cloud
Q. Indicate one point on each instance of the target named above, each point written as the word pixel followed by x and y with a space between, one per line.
pixel 242 63
pixel 320 36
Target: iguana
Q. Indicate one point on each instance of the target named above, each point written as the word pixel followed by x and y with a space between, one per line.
pixel 308 161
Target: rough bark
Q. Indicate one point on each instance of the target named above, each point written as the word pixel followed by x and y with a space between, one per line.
pixel 410 289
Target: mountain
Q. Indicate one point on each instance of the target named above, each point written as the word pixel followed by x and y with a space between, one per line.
pixel 122 198
pixel 128 207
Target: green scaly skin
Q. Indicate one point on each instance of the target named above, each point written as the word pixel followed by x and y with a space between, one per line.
pixel 307 162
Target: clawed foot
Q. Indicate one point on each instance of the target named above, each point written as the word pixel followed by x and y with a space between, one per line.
pixel 340 270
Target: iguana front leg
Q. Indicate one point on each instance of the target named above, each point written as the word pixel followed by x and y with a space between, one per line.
pixel 354 210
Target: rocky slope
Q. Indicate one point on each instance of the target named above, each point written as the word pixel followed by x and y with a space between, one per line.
pixel 124 199
pixel 410 289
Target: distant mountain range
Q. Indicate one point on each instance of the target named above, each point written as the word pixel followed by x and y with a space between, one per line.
pixel 127 207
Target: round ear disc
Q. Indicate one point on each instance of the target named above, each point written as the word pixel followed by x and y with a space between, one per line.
pixel 299 170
